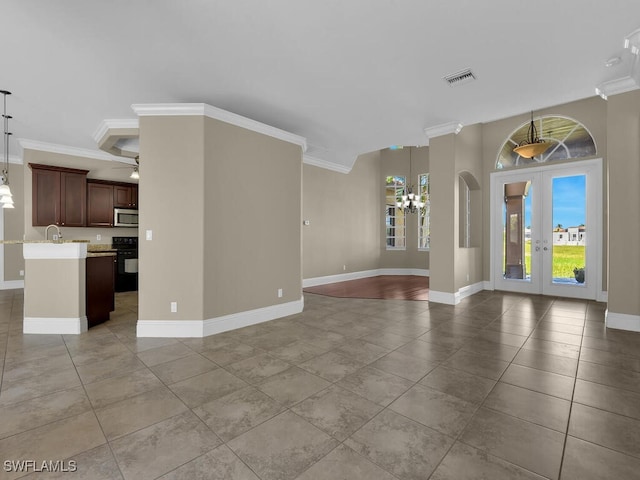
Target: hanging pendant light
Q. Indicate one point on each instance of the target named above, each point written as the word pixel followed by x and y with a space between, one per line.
pixel 6 199
pixel 409 201
pixel 532 145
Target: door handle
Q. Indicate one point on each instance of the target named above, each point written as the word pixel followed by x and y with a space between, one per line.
pixel 545 249
pixel 537 249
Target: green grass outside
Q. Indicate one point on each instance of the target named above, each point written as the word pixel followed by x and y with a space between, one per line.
pixel 566 258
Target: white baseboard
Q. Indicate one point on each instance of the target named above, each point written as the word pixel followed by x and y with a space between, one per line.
pixel 62 326
pixel 211 326
pixel 251 317
pixel 469 290
pixel 442 297
pixel 169 328
pixel 454 298
pixel 11 284
pixel 622 321
pixel 344 277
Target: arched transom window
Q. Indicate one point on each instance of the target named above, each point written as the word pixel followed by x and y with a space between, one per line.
pixel 568 138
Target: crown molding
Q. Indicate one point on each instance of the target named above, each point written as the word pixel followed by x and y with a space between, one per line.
pixel 65 150
pixel 111 124
pixel 319 162
pixel 444 129
pixel 617 86
pixel 203 109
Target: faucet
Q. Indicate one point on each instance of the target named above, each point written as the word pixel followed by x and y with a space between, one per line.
pixel 57 238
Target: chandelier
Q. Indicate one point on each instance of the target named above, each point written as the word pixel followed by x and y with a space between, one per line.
pixel 5 191
pixel 532 145
pixel 409 201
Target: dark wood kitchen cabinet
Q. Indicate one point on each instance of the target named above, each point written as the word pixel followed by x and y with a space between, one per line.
pixel 59 196
pixel 100 289
pixel 99 204
pixel 125 196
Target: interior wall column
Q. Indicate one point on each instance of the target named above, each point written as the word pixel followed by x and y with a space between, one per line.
pixel 623 163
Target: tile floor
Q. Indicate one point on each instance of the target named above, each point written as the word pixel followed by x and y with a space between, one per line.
pixel 502 386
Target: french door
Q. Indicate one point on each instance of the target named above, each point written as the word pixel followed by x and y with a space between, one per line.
pixel 547 230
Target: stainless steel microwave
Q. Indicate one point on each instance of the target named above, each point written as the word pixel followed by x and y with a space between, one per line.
pixel 125 217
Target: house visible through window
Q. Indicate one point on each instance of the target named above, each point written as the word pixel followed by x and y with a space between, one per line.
pixel 423 216
pixel 394 217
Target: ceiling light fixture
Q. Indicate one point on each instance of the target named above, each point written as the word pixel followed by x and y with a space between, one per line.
pixel 6 198
pixel 136 173
pixel 409 201
pixel 532 145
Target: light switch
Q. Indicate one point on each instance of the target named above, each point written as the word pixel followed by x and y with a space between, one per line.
pixel 149 234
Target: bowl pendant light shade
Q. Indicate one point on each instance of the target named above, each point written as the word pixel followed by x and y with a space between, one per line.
pixel 532 146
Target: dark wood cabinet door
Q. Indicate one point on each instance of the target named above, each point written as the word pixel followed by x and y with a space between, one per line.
pixel 122 196
pixel 45 197
pixel 134 196
pixel 100 289
pixel 99 205
pixel 73 199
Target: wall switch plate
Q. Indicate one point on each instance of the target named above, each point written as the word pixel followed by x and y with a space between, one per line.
pixel 174 307
pixel 279 293
pixel 149 235
pixel 98 237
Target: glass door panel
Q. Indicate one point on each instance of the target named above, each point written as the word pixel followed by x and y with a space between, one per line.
pixel 568 224
pixel 515 195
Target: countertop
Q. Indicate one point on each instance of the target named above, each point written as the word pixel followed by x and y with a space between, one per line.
pixel 101 254
pixel 19 242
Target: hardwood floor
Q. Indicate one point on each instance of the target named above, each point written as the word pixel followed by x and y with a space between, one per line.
pixel 396 287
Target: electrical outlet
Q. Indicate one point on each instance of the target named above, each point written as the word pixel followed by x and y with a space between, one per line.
pixel 174 307
pixel 22 273
pixel 98 237
pixel 344 268
pixel 149 234
pixel 279 293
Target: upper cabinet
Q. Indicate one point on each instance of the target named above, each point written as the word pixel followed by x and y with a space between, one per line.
pixel 99 204
pixel 59 196
pixel 125 196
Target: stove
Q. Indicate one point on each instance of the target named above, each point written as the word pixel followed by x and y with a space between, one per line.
pixel 126 263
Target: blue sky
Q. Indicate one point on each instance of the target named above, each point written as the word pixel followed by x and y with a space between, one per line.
pixel 569 199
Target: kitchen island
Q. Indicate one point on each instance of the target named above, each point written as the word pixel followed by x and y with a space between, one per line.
pixel 57 299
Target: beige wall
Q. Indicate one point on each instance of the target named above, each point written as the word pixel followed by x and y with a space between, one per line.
pixel 396 162
pixel 344 229
pixel 58 288
pixel 223 204
pixel 444 211
pixel 171 191
pixel 453 266
pixel 252 220
pixel 623 161
pixel 468 161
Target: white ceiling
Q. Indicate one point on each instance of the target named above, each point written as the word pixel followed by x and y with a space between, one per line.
pixel 351 76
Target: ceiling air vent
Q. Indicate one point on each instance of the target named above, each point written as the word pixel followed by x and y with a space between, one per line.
pixel 460 78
